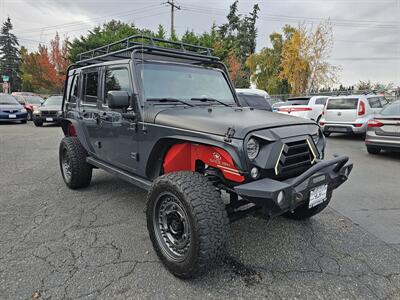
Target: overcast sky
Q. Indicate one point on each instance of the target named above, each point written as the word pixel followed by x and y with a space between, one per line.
pixel 366 32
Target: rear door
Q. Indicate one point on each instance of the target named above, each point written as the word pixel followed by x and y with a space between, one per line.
pixel 341 110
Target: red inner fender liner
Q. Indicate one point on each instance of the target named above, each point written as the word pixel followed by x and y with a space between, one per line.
pixel 183 157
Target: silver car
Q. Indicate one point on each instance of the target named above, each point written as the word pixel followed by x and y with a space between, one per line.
pixel 384 130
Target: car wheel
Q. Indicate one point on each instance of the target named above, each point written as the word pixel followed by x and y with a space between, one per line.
pixel 187 223
pixel 303 212
pixel 327 133
pixel 76 172
pixel 38 123
pixel 374 150
pixel 23 122
pixel 29 116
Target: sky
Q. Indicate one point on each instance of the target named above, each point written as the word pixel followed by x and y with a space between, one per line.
pixel 366 33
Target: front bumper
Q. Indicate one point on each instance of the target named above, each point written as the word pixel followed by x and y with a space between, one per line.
pixel 18 116
pixel 296 191
pixel 47 119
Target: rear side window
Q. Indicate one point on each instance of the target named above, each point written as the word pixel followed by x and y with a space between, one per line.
pixel 117 80
pixel 342 103
pixel 255 101
pixel 375 102
pixel 90 87
pixel 320 101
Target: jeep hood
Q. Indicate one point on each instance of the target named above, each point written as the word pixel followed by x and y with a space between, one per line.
pixel 218 119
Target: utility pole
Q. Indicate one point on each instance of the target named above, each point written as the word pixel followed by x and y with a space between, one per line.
pixel 173 6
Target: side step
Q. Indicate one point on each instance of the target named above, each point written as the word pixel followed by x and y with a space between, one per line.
pixel 138 181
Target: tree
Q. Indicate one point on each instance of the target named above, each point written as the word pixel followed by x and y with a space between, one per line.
pixel 318 48
pixel 295 65
pixel 234 67
pixel 9 55
pixel 59 60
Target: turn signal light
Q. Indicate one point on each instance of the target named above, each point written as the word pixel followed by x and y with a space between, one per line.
pixel 374 123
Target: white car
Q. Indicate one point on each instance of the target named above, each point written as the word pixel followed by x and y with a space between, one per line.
pixel 304 107
pixel 350 114
pixel 255 98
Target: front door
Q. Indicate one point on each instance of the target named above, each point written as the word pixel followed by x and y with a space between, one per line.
pixel 119 134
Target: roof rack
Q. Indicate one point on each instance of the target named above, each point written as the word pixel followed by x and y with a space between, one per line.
pixel 123 49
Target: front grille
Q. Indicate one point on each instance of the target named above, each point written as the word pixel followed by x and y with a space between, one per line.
pixel 48 113
pixel 295 158
pixel 11 111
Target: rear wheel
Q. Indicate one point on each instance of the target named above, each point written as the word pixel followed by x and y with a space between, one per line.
pixel 373 150
pixel 187 223
pixel 303 212
pixel 76 172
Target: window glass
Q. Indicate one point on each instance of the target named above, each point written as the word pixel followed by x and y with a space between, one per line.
pixel 90 87
pixel 393 109
pixel 117 80
pixel 298 101
pixel 255 101
pixel 6 99
pixel 342 103
pixel 384 102
pixel 321 101
pixel 375 102
pixel 74 90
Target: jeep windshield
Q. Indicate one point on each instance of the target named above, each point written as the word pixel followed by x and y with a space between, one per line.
pixel 186 83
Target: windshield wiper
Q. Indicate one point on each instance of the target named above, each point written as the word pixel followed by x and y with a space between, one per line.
pixel 167 99
pixel 208 99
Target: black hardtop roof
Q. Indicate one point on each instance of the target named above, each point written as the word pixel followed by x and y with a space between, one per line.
pixel 142 47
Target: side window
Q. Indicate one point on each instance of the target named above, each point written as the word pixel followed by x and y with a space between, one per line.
pixel 117 80
pixel 321 101
pixel 374 102
pixel 73 96
pixel 384 102
pixel 90 87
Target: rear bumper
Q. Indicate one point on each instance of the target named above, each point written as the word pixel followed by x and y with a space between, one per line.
pixel 348 128
pixel 296 191
pixel 383 142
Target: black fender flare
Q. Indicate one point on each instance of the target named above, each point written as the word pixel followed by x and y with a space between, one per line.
pixel 80 132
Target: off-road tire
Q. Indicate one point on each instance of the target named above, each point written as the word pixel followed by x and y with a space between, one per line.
pixel 303 212
pixel 207 218
pixel 327 134
pixel 374 150
pixel 38 123
pixel 80 171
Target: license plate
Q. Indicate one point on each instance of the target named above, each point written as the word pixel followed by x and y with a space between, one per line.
pixel 318 195
pixel 339 129
pixel 49 119
pixel 12 116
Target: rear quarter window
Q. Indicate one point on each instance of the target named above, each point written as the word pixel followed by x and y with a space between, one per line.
pixel 342 103
pixel 375 102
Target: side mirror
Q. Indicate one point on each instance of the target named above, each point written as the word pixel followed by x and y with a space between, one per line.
pixel 118 99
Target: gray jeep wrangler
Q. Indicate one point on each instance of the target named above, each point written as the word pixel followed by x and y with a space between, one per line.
pixel 164 116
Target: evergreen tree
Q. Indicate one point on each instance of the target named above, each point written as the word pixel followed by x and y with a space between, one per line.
pixel 9 55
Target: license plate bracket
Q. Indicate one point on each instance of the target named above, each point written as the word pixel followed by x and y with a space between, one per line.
pixel 318 195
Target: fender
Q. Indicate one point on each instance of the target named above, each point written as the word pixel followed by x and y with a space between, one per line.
pixel 79 132
pixel 183 156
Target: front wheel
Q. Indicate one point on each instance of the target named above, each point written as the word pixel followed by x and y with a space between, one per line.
pixel 29 116
pixel 303 212
pixel 76 172
pixel 38 123
pixel 187 223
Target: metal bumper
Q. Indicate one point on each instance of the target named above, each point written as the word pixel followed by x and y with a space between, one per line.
pixel 296 191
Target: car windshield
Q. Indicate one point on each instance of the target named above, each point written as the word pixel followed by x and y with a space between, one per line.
pixel 342 103
pixel 34 99
pixel 186 83
pixel 53 100
pixel 253 100
pixel 6 99
pixel 392 109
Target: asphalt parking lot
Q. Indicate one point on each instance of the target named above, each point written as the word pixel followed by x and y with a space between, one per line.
pixel 93 244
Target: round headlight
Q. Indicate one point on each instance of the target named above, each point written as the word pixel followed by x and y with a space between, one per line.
pixel 253 147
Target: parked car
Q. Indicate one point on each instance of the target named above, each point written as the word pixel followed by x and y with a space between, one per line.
pixel 168 120
pixel 11 110
pixel 49 112
pixel 384 130
pixel 350 114
pixel 255 98
pixel 305 107
pixel 278 104
pixel 30 101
